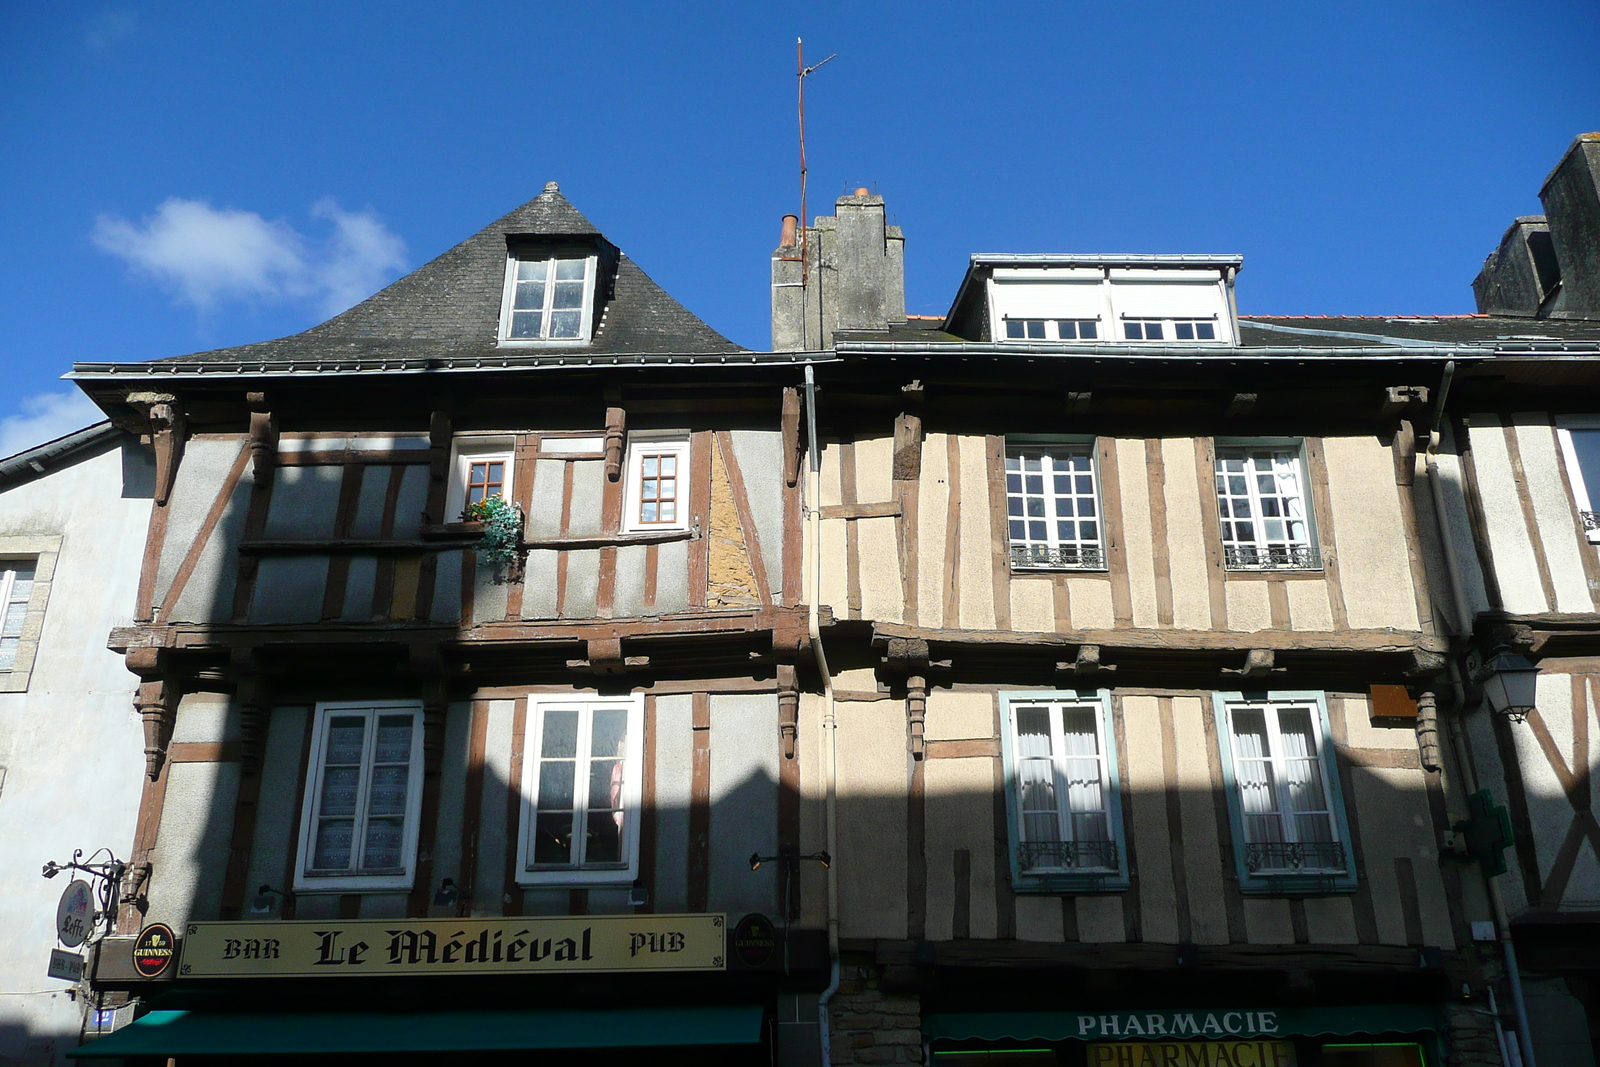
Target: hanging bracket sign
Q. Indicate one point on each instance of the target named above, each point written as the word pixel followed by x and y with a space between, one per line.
pixel 75 914
pixel 367 947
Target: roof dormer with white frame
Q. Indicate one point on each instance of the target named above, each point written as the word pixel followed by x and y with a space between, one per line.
pixel 1098 299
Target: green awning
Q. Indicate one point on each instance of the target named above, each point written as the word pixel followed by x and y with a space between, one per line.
pixel 1166 1024
pixel 193 1033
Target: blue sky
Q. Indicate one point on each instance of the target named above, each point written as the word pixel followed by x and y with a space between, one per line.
pixel 180 177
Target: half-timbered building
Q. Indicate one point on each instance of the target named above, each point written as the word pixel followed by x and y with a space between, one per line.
pixel 467 634
pixel 1135 640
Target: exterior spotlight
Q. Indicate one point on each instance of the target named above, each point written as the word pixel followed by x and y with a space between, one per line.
pixel 263 903
pixel 788 856
pixel 447 895
pixel 1509 684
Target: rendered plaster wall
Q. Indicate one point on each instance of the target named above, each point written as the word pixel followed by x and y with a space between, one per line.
pixel 1573 754
pixel 189 859
pixel 71 747
pixel 744 802
pixel 1510 543
pixel 1369 534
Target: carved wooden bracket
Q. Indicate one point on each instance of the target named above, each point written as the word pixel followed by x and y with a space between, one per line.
pixel 1087 662
pixel 1258 663
pixel 1425 663
pixel 908 434
pixel 166 436
pixel 616 424
pixel 439 442
pixel 788 708
pixel 1428 732
pixel 604 656
pixel 1242 404
pixel 790 423
pixel 1396 398
pixel 157 714
pixel 917 714
pixel 263 437
pixel 1078 403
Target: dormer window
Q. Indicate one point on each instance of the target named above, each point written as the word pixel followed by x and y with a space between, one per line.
pixel 548 297
pixel 1151 329
pixel 1052 330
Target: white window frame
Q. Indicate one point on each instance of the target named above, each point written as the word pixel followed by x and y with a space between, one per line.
pixel 499 448
pixel 1081 877
pixel 42 552
pixel 676 444
pixel 579 875
pixel 1288 879
pixel 308 881
pixel 1025 554
pixel 507 296
pixel 1583 500
pixel 1309 558
pixel 9 568
pixel 1052 327
pixel 1169 329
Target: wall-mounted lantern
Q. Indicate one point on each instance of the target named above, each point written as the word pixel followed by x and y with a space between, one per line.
pixel 1509 683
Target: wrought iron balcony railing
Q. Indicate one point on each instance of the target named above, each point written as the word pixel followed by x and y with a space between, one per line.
pixel 1293 857
pixel 1034 856
pixel 1271 557
pixel 1591 519
pixel 1063 557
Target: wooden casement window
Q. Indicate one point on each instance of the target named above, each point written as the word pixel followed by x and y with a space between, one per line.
pixel 549 297
pixel 1062 799
pixel 16 590
pixel 1265 508
pixel 363 789
pixel 657 490
pixel 581 789
pixel 1580 449
pixel 1053 512
pixel 1283 794
pixel 485 478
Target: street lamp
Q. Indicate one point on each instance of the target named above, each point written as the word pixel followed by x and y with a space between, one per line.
pixel 1509 683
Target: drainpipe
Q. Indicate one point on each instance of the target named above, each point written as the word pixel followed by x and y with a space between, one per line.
pixel 830 724
pixel 1458 735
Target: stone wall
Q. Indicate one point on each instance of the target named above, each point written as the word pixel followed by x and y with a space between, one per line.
pixel 870 1026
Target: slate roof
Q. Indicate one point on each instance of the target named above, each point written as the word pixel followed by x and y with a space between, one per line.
pixel 1499 332
pixel 450 307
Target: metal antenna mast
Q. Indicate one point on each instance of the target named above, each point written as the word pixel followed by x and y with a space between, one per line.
pixel 802 71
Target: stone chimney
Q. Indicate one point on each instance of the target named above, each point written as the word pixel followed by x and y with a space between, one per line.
pixel 1548 266
pixel 1520 275
pixel 1571 198
pixel 853 277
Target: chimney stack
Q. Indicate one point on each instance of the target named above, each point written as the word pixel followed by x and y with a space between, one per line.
pixel 1548 266
pixel 853 277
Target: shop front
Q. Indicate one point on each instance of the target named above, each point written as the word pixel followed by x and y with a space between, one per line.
pixel 585 988
pixel 1385 1035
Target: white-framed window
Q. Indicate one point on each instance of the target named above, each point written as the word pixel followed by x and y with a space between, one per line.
pixel 549 296
pixel 363 792
pixel 1053 513
pixel 16 591
pixel 1062 798
pixel 657 491
pixel 483 468
pixel 1580 449
pixel 1153 329
pixel 1283 791
pixel 1052 329
pixel 1264 505
pixel 580 788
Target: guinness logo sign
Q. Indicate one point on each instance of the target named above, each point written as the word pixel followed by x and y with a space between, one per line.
pixel 754 940
pixel 153 950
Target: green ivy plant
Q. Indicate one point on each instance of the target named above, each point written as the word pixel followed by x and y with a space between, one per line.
pixel 502 534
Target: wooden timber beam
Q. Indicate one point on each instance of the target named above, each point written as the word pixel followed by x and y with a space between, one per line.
pixel 985 953
pixel 1395 641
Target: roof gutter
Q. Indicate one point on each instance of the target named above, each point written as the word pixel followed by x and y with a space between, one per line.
pixel 43 458
pixel 334 366
pixel 1204 353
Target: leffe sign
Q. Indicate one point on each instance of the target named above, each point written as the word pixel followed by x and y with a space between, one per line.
pixel 367 947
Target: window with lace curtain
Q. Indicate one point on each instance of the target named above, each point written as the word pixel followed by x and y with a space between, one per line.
pixel 1283 794
pixel 363 788
pixel 1066 823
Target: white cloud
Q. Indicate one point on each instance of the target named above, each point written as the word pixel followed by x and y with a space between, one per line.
pixel 206 256
pixel 44 418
